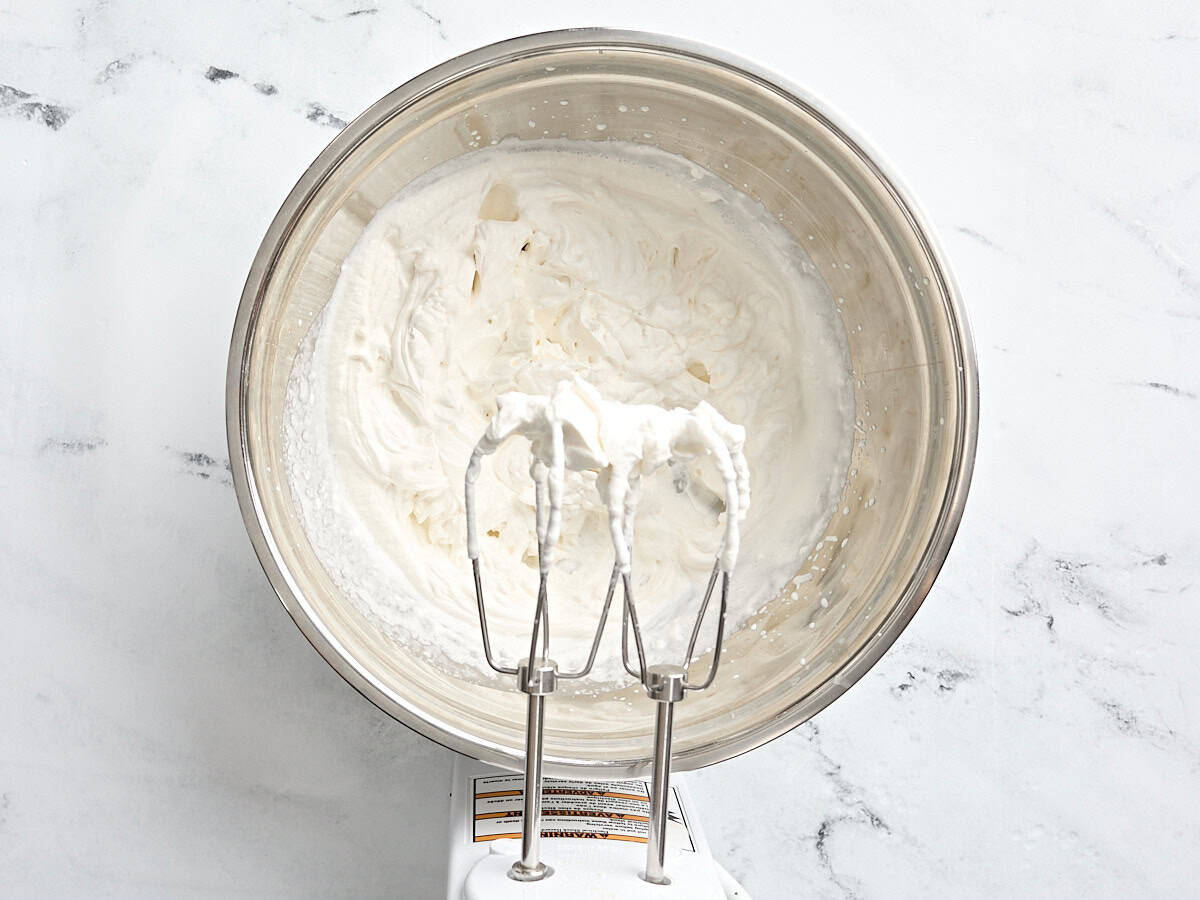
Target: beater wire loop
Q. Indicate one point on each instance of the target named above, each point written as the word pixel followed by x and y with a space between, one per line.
pixel 541 615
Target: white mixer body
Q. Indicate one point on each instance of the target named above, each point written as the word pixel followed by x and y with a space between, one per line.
pixel 593 836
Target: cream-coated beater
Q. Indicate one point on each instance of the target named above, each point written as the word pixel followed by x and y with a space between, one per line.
pixel 622 443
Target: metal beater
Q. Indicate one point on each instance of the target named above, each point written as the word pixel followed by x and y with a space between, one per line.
pixel 666 685
pixel 537 675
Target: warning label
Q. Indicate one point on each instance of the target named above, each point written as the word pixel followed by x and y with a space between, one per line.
pixel 600 810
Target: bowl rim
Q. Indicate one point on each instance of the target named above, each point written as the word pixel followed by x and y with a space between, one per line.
pixel 262 269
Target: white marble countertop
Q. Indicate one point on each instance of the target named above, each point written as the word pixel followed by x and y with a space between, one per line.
pixel 169 733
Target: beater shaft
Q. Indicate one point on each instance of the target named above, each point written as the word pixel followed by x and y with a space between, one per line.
pixel 537 679
pixel 664 685
pixel 531 833
pixel 656 845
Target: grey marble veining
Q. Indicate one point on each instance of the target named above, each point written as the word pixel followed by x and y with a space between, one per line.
pixel 1034 733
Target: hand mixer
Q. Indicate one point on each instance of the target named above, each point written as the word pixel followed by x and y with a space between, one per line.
pixel 648 437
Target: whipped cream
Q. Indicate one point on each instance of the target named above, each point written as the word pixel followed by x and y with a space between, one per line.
pixel 575 428
pixel 515 268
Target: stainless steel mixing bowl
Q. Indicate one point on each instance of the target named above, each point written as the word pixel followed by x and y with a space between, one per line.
pixel 914 369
